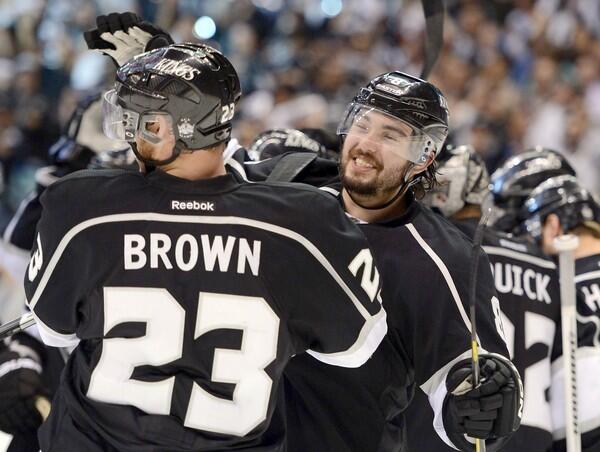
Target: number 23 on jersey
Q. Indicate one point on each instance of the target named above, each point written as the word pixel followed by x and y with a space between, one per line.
pixel 163 343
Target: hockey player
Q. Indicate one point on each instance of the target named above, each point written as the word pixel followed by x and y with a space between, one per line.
pixel 392 131
pixel 182 313
pixel 529 303
pixel 558 206
pixel 516 178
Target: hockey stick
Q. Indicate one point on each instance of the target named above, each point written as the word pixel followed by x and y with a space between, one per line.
pixel 434 33
pixel 479 443
pixel 16 325
pixel 566 244
pixel 42 404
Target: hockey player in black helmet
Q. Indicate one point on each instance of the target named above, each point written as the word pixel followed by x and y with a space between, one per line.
pixel 177 304
pixel 392 131
pixel 528 301
pixel 558 206
pixel 514 180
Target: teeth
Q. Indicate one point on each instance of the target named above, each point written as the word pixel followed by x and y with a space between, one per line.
pixel 362 162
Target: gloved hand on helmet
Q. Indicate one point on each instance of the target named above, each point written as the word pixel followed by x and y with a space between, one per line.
pixel 125 35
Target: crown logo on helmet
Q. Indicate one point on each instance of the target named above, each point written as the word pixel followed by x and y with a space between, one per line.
pixel 185 128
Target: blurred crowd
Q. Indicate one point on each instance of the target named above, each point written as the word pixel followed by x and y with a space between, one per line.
pixel 516 73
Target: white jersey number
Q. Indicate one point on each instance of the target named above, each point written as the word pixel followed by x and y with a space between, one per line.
pixel 536 378
pixel 163 343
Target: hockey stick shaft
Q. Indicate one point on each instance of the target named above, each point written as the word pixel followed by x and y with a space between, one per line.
pixel 434 11
pixel 16 325
pixel 479 443
pixel 42 405
pixel 566 244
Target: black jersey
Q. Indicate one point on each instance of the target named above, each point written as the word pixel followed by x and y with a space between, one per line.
pixel 425 264
pixel 587 281
pixel 186 300
pixel 529 306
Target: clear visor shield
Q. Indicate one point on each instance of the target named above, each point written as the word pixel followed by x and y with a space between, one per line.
pixel 122 124
pixel 380 130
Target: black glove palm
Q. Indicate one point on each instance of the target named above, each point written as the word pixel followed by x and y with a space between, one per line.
pixel 125 35
pixel 492 410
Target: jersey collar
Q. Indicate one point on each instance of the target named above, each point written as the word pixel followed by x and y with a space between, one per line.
pixel 219 184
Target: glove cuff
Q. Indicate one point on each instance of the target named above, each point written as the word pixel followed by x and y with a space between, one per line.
pixel 26 346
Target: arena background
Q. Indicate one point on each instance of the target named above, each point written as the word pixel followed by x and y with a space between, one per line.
pixel 516 73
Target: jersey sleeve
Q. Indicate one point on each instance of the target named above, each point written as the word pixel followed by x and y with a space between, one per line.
pixel 59 268
pixel 335 304
pixel 441 334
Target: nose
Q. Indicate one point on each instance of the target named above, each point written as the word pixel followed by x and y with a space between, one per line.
pixel 370 143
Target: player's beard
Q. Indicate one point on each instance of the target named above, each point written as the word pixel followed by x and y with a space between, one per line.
pixel 381 182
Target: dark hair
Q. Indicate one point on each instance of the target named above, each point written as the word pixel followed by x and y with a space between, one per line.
pixel 427 181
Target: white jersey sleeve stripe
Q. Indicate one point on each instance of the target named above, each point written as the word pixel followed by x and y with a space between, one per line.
pixel 445 273
pixel 371 334
pixel 587 276
pixel 497 251
pixel 54 338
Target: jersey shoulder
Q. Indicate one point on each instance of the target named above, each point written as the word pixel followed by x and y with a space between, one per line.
pixel 301 197
pixel 88 193
pixel 511 248
pixel 448 241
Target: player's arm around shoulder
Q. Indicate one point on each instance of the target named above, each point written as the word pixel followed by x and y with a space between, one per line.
pixel 349 306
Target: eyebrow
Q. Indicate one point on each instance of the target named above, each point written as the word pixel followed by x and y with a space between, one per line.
pixel 395 129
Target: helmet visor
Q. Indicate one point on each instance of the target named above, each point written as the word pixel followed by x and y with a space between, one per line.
pixel 386 132
pixel 120 123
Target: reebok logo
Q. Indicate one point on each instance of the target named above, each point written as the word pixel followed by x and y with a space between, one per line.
pixel 193 205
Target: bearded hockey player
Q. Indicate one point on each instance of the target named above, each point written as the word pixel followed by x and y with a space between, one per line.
pixel 392 132
pixel 558 206
pixel 528 302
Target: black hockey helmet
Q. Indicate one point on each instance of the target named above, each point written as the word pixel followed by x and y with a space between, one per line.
pixel 415 102
pixel 279 141
pixel 512 183
pixel 563 196
pixel 462 179
pixel 192 87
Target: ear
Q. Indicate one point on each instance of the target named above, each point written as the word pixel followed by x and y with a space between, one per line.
pixel 420 167
pixel 550 230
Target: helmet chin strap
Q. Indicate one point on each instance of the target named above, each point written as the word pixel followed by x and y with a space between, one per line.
pixel 150 164
pixel 401 192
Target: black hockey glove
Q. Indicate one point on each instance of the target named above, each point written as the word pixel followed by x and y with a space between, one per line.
pixel 125 35
pixel 20 386
pixel 491 411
